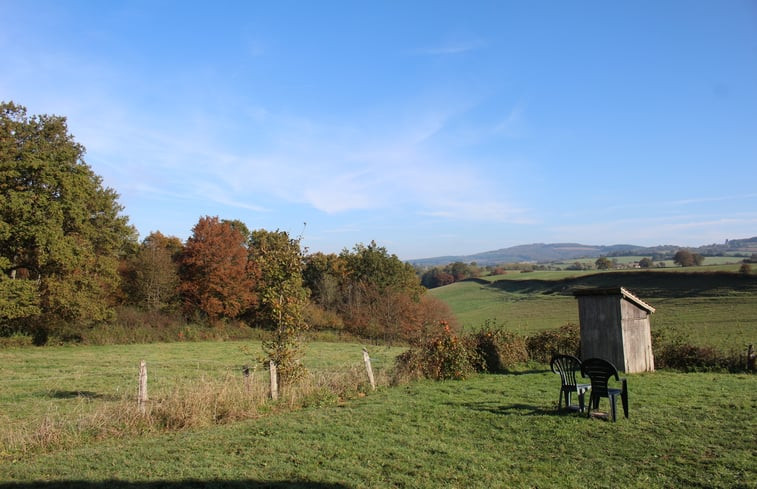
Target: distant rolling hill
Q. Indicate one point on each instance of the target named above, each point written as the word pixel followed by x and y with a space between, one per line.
pixel 540 252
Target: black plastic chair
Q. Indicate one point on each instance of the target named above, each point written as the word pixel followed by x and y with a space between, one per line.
pixel 600 372
pixel 567 366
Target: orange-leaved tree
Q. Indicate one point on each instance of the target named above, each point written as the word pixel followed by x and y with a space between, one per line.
pixel 217 278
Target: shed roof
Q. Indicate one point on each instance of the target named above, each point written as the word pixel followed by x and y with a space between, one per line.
pixel 625 294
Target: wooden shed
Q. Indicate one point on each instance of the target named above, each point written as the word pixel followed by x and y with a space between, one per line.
pixel 615 327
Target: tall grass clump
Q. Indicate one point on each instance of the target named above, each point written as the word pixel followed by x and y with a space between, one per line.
pixel 564 340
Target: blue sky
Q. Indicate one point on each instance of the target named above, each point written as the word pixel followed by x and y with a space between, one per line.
pixel 433 128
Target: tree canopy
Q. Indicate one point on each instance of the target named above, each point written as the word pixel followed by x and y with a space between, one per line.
pixel 61 231
pixel 686 258
pixel 603 263
pixel 282 297
pixel 217 277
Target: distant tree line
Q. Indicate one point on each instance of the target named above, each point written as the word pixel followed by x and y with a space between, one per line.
pixel 69 257
pixel 448 274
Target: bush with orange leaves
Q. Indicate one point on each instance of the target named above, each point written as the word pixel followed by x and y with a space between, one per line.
pixel 443 355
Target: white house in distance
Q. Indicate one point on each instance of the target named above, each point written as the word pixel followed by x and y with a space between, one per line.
pixel 615 327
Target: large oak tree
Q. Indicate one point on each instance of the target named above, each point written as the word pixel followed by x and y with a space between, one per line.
pixel 61 232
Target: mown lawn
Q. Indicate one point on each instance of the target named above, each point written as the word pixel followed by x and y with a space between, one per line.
pixel 492 431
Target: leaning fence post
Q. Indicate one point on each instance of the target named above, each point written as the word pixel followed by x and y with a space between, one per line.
pixel 368 368
pixel 142 393
pixel 274 381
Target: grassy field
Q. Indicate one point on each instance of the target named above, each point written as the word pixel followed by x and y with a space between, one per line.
pixel 70 380
pixel 713 308
pixel 709 261
pixel 492 431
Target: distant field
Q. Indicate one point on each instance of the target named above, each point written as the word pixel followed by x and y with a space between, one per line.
pixel 717 309
pixel 623 260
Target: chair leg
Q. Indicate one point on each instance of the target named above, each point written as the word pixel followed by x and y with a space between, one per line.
pixel 581 401
pixel 612 406
pixel 624 398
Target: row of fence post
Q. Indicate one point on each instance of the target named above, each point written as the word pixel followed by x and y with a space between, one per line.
pixel 142 391
pixel 142 397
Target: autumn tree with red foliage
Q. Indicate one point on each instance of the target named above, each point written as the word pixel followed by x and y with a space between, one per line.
pixel 217 277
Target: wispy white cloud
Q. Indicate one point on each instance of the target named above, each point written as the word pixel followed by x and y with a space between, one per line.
pixel 680 229
pixel 512 125
pixel 451 48
pixel 705 200
pixel 482 211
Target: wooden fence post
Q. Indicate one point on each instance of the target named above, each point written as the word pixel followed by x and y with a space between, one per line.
pixel 274 381
pixel 750 358
pixel 368 368
pixel 142 393
pixel 246 373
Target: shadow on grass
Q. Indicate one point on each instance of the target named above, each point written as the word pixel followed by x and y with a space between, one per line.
pixel 645 283
pixel 182 484
pixel 521 372
pixel 56 394
pixel 517 409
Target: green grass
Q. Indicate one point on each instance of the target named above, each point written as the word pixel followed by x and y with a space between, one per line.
pixel 623 260
pixel 711 309
pixel 70 380
pixel 474 304
pixel 684 430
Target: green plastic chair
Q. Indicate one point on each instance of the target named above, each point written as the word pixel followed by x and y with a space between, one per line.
pixel 600 372
pixel 567 366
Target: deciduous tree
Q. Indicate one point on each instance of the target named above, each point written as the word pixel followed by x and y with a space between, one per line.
pixel 282 298
pixel 603 263
pixel 216 276
pixel 153 273
pixel 686 258
pixel 60 228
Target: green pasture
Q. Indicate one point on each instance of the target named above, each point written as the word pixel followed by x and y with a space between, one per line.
pixel 491 431
pixel 709 261
pixel 711 309
pixel 69 380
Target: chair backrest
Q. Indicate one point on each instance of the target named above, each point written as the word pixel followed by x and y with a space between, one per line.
pixel 566 366
pixel 599 371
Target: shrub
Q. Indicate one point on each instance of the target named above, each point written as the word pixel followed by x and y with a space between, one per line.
pixel 499 349
pixel 565 340
pixel 442 356
pixel 672 350
pixel 16 340
pixel 319 318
